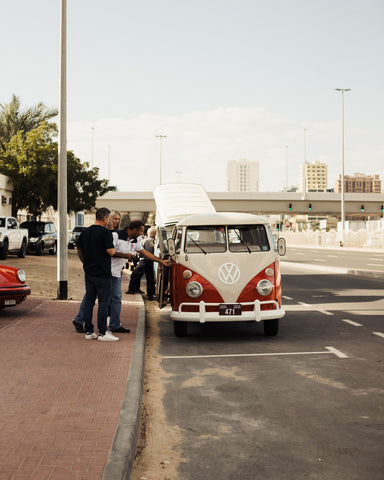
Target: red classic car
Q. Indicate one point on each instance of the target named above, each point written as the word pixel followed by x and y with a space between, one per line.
pixel 12 286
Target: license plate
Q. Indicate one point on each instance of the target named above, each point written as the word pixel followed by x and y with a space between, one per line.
pixel 9 302
pixel 230 309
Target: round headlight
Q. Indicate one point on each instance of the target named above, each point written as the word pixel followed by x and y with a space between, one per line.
pixel 264 287
pixel 194 289
pixel 20 274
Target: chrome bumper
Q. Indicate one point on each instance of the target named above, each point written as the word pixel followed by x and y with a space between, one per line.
pixel 202 316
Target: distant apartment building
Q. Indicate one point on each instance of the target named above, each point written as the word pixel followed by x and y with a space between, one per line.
pixel 313 177
pixel 242 176
pixel 359 183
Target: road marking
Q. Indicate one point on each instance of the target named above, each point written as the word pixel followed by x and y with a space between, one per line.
pixel 379 334
pixel 332 256
pixel 305 304
pixel 332 350
pixel 351 322
pixel 287 298
pixel 375 265
pixel 336 352
pixel 325 312
pixel 319 260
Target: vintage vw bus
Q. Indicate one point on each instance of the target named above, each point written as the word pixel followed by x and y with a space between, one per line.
pixel 226 268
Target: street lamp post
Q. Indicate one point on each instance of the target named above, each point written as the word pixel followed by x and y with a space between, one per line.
pixel 93 137
pixel 161 153
pixel 342 90
pixel 109 164
pixel 62 263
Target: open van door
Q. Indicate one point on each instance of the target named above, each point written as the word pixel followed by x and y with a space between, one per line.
pixel 163 273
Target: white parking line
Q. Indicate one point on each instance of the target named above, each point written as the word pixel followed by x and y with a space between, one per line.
pixel 305 304
pixel 287 298
pixel 330 350
pixel 336 352
pixel 325 312
pixel 351 322
pixel 379 334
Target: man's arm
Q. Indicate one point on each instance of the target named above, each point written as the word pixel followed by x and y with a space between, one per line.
pixel 128 256
pixel 80 254
pixel 152 257
pixel 111 251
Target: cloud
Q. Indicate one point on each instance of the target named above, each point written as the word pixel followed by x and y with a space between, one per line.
pixel 199 143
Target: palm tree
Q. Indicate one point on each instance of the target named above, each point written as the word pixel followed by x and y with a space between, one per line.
pixel 13 119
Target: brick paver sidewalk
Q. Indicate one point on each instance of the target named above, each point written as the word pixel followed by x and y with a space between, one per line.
pixel 61 395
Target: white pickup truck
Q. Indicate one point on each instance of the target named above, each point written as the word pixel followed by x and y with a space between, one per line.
pixel 12 238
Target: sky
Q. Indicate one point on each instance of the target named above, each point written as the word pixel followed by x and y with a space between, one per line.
pixel 220 79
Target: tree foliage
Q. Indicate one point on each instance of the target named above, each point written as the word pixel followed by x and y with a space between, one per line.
pixel 31 160
pixel 13 120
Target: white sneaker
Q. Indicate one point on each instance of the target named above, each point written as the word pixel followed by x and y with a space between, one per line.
pixel 90 336
pixel 108 337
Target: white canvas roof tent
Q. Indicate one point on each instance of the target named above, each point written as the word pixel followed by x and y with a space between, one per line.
pixel 178 200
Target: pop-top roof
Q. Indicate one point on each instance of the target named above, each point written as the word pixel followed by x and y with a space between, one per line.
pixel 178 200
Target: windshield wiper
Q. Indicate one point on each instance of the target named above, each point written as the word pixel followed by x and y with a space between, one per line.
pixel 241 241
pixel 197 245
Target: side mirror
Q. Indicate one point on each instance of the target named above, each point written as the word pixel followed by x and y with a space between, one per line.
pixel 281 246
pixel 171 247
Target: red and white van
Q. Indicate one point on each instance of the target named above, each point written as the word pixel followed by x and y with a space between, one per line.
pixel 226 265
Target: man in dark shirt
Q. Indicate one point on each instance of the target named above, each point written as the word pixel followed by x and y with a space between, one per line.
pixel 145 266
pixel 95 249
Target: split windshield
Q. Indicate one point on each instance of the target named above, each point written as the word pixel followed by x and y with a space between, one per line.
pixel 214 239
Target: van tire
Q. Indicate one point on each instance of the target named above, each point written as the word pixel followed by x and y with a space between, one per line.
pixel 180 329
pixel 271 327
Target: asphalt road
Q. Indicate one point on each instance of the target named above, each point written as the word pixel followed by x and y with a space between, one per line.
pixel 307 404
pixel 336 257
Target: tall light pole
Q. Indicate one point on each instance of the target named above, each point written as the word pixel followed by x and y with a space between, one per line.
pixel 342 90
pixel 109 164
pixel 93 136
pixel 286 168
pixel 62 259
pixel 305 163
pixel 161 154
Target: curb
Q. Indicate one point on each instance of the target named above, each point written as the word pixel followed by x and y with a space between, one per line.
pixel 123 452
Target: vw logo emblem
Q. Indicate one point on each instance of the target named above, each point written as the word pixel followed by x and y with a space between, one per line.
pixel 229 273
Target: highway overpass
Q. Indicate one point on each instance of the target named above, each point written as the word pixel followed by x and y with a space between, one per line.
pixel 140 204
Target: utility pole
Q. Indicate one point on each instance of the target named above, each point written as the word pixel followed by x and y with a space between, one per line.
pixel 342 90
pixel 161 154
pixel 62 259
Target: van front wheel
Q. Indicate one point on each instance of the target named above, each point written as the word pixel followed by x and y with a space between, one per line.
pixel 180 329
pixel 271 327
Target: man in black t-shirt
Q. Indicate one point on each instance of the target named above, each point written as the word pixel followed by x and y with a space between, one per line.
pixel 95 249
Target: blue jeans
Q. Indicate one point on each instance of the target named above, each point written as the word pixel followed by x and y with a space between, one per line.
pixel 115 304
pixel 100 288
pixel 80 314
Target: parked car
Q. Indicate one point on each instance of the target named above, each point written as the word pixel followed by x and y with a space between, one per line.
pixel 42 237
pixel 74 237
pixel 12 286
pixel 13 239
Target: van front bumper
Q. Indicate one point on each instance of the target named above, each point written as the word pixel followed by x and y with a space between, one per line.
pixel 202 316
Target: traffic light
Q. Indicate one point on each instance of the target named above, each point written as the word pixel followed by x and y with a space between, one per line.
pixel 310 207
pixel 362 208
pixel 382 208
pixel 290 206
